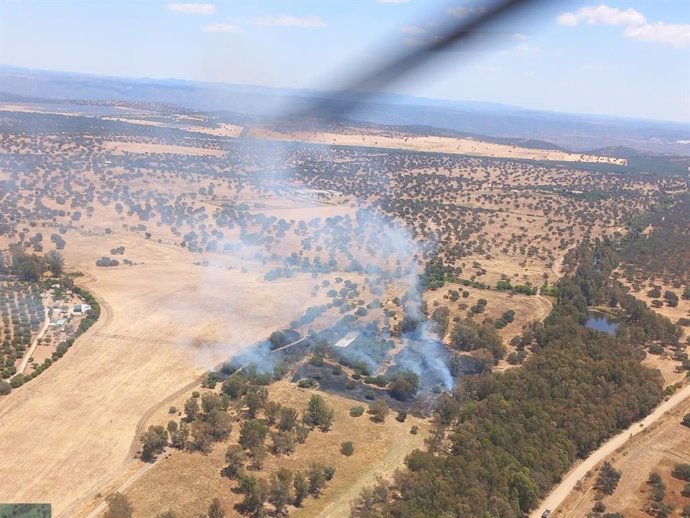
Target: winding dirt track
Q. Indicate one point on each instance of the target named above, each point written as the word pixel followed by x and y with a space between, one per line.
pixel 562 490
pixel 34 344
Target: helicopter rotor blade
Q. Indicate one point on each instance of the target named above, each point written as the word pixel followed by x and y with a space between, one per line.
pixel 361 89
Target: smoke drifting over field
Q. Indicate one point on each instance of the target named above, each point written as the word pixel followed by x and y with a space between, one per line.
pixel 364 266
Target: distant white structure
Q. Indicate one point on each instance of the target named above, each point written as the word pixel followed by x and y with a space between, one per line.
pixel 346 340
pixel 81 309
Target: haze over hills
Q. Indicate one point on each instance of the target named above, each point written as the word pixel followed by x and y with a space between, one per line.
pixel 575 132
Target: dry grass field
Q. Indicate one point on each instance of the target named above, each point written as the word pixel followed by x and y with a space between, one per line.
pixel 228 240
pixel 164 322
pixel 657 449
pixel 119 148
pixel 379 449
pixel 528 308
pixel 431 144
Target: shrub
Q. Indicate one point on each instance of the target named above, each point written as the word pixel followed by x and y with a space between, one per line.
pixel 107 261
pixel 404 386
pixel 379 411
pixel 599 507
pixel 328 472
pixel 682 472
pixel 608 479
pixel 119 506
pixel 356 411
pixel 305 383
pixel 347 448
pixel 686 490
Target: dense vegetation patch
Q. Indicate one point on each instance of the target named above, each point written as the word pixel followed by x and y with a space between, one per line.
pixel 502 440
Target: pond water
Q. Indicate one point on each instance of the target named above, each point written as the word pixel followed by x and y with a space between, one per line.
pixel 601 322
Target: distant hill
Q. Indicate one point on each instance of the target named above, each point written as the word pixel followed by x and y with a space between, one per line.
pixel 653 163
pixel 574 132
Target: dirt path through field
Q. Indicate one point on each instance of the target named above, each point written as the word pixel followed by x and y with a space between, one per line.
pixel 562 490
pixel 34 344
pixel 402 444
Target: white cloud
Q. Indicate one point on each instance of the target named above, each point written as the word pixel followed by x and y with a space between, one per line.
pixel 192 8
pixel 675 35
pixel 567 19
pixel 610 16
pixel 222 27
pixel 636 25
pixel 413 30
pixel 308 22
pixel 461 12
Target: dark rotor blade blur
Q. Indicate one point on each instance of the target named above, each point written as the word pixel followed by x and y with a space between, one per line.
pixel 343 101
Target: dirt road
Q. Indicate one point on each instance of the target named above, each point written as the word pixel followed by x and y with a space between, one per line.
pixel 402 444
pixel 562 490
pixel 30 352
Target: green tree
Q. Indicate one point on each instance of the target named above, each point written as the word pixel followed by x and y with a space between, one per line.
pixel 272 412
pixel 255 399
pixel 608 478
pixel 255 498
pixel 209 402
pixel 404 386
pixel 682 472
pixel 220 423
pixel 288 419
pixel 28 267
pixel 528 494
pixel 301 486
pixel 441 318
pixel 252 433
pixel 234 387
pixel 191 409
pixel 235 459
pixel 319 414
pixel 55 263
pixel 119 506
pixel 153 441
pixel 317 479
pixel 283 443
pixel 179 437
pixel 202 437
pixel 258 453
pixel 281 490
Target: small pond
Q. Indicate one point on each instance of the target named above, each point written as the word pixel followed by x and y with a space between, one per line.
pixel 602 322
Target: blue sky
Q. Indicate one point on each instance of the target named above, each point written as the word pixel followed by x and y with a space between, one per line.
pixel 621 57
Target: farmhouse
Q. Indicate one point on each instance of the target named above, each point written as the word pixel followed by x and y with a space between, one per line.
pixel 81 309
